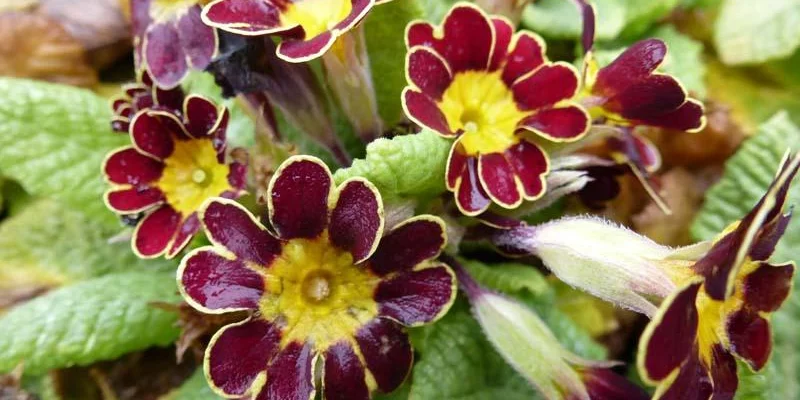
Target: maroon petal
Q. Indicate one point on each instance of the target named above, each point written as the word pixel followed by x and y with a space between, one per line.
pixel 456 163
pixel 546 86
pixel 186 232
pixel 151 136
pixel 387 352
pixel 408 244
pixel 229 225
pixel 565 124
pixel 417 297
pixel 357 219
pixel 358 10
pixel 467 40
pixel 750 337
pixel 237 175
pixel 425 112
pixel 650 98
pixel 688 117
pixel 245 17
pixel 723 373
pixel 531 165
pixel 128 166
pixel 291 374
pixel 527 55
pixel 497 177
pixel 170 99
pixel 638 150
pixel 692 382
pixel 133 200
pixel 298 202
pixel 768 239
pixel 669 339
pixel 635 64
pixel 504 33
pixel 164 54
pixel 153 235
pixel 344 377
pixel 213 283
pixel 471 198
pixel 305 50
pixel 201 116
pixel 603 384
pixel 239 353
pixel 198 40
pixel 428 71
pixel 766 288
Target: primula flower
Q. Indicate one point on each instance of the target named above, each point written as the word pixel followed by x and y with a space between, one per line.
pixel 171 168
pixel 308 27
pixel 170 38
pixel 328 291
pixel 144 94
pixel 718 294
pixel 496 93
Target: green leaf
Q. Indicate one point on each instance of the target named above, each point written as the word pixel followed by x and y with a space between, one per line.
pixel 385 32
pixel 95 320
pixel 560 19
pixel 405 166
pixel 510 278
pixel 195 388
pixel 748 32
pixel 641 15
pixel 50 245
pixel 435 10
pixel 53 139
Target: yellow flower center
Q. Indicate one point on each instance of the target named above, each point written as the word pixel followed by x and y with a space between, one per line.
pixel 192 174
pixel 161 10
pixel 480 104
pixel 316 16
pixel 316 291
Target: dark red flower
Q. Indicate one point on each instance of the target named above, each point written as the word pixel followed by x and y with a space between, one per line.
pixel 329 292
pixel 173 166
pixel 143 94
pixel 473 79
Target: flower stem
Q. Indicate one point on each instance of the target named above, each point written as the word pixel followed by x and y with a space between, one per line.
pixel 472 289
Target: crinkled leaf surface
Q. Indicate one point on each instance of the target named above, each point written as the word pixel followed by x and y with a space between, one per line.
pixel 53 139
pixel 98 319
pixel 405 166
pixel 748 32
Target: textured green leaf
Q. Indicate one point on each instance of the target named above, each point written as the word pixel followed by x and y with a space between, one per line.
pixel 53 139
pixel 405 166
pixel 385 31
pixel 510 278
pixel 49 245
pixel 748 32
pixel 435 10
pixel 95 320
pixel 641 15
pixel 195 388
pixel 560 19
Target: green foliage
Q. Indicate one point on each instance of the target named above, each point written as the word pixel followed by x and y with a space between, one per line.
pixel 435 10
pixel 405 166
pixel 53 139
pixel 195 388
pixel 640 15
pixel 95 320
pixel 748 32
pixel 385 32
pixel 47 244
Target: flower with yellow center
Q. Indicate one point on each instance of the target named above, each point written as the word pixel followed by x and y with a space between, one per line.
pixel 173 166
pixel 494 91
pixel 328 290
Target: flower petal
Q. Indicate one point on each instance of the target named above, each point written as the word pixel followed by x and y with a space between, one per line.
pixel 198 40
pixel 531 165
pixel 408 244
pixel 344 377
pixel 155 232
pixel 633 65
pixel 237 176
pixel 186 232
pixel 723 373
pixel 238 355
pixel 417 297
pixel 563 124
pixel 291 374
pixel 456 162
pixel 305 50
pixel 750 337
pixel 768 239
pixel 497 177
pixel 128 166
pixel 215 284
pixel 669 338
pixel 231 226
pixel 648 99
pixel 245 17
pixel 201 115
pixel 603 384
pixel 151 136
pixel 546 86
pixel 133 200
pixel 425 112
pixel 169 99
pixel 164 54
pixel 691 383
pixel 766 288
pixel 298 202
pixel 471 197
pixel 428 71
pixel 357 219
pixel 688 117
pixel 526 56
pixel 504 33
pixel 387 353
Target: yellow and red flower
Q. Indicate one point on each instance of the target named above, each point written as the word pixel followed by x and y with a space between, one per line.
pixel 170 38
pixel 329 291
pixel 144 94
pixel 173 166
pixel 473 79
pixel 308 27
